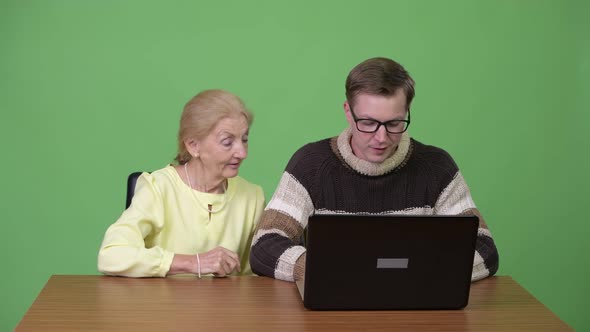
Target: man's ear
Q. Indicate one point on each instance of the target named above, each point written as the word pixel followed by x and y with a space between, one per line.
pixel 192 146
pixel 348 114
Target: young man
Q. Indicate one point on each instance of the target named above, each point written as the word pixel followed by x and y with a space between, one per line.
pixel 372 167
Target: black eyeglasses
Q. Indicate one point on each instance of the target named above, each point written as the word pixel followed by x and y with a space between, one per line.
pixel 371 126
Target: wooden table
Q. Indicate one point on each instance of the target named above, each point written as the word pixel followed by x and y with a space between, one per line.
pixel 102 303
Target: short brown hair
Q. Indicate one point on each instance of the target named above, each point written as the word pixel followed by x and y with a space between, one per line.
pixel 203 112
pixel 379 76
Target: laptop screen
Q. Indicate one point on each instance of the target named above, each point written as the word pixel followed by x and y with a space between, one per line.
pixel 389 262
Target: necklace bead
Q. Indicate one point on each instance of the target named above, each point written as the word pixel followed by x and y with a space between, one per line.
pixel 208 207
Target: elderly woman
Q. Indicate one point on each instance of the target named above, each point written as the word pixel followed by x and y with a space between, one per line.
pixel 197 216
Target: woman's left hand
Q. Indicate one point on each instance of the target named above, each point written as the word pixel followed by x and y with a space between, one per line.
pixel 219 261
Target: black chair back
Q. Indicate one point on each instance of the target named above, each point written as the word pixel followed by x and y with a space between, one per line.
pixel 131 180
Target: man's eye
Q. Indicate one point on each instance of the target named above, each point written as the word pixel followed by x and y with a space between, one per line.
pixel 367 123
pixel 394 124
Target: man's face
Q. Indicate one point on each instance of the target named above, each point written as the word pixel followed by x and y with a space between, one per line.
pixel 380 145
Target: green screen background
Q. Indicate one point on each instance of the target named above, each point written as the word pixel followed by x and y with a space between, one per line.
pixel 92 90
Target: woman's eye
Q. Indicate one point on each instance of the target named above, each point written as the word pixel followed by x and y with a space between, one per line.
pixel 226 142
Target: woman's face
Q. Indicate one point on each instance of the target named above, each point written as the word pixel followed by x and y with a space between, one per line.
pixel 224 149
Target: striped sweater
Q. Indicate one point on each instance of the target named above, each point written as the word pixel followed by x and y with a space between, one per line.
pixel 326 177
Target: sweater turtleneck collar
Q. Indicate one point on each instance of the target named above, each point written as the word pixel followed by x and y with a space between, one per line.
pixel 367 167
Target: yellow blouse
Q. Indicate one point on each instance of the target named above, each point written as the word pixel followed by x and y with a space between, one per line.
pixel 167 217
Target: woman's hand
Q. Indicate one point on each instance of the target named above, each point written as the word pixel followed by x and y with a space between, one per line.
pixel 220 262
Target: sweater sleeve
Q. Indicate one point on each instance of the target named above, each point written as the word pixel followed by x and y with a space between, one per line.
pixel 277 250
pixel 456 199
pixel 245 260
pixel 123 251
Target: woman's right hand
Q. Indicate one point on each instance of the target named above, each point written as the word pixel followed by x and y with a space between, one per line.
pixel 220 262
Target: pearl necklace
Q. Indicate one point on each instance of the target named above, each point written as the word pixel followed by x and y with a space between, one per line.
pixel 209 207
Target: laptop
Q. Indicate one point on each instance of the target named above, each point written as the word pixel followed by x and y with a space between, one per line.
pixel 368 262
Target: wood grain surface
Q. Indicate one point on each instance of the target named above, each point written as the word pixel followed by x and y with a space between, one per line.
pixel 103 303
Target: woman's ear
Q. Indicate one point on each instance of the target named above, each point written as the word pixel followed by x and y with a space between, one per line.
pixel 192 146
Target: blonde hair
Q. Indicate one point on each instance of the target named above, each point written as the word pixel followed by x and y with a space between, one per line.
pixel 202 113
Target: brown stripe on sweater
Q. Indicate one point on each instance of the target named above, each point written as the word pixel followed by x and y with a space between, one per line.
pixel 273 219
pixel 475 212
